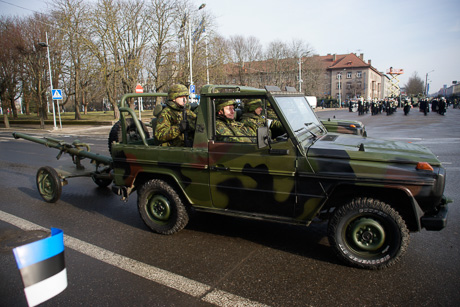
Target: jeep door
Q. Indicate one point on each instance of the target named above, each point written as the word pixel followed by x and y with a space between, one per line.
pixel 244 178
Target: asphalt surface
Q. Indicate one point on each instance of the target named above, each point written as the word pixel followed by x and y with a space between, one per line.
pixel 112 258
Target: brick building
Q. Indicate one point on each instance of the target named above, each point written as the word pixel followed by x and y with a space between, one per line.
pixel 337 76
pixel 347 76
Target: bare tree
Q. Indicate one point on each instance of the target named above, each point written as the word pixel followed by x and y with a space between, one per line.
pixel 415 85
pixel 10 66
pixel 161 55
pixel 35 62
pixel 275 55
pixel 244 53
pixel 219 55
pixel 71 17
pixel 102 42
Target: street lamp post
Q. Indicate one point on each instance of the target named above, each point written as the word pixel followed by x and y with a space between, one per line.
pixel 426 83
pixel 205 44
pixel 51 80
pixel 300 73
pixel 340 88
pixel 190 43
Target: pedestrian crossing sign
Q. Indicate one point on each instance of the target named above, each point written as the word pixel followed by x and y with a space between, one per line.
pixel 57 94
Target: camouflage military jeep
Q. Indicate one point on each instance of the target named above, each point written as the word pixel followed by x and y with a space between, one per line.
pixel 371 192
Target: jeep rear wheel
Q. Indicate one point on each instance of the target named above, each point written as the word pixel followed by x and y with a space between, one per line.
pixel 161 208
pixel 368 233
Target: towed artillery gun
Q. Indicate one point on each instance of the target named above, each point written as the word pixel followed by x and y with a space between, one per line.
pixel 50 181
pixel 372 193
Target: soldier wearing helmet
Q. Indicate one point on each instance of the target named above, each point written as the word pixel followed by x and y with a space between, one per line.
pixel 253 117
pixel 227 128
pixel 173 128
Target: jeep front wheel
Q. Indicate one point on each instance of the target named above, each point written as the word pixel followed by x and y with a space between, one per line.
pixel 368 233
pixel 161 208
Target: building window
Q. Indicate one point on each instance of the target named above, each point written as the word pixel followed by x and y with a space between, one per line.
pixel 349 75
pixel 348 85
pixel 339 75
pixel 339 85
pixel 359 74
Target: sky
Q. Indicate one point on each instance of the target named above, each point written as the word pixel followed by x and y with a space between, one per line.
pixel 418 36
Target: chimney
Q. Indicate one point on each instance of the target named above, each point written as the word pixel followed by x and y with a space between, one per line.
pixel 361 56
pixel 369 62
pixel 334 57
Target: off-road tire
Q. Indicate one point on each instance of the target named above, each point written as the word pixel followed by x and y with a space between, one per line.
pixel 367 233
pixel 48 184
pixel 161 208
pixel 115 134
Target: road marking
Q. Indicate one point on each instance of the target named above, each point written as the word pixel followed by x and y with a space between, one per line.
pixel 180 283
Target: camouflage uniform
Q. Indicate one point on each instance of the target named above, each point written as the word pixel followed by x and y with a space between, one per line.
pixel 167 130
pixel 229 130
pixel 250 118
pixel 254 121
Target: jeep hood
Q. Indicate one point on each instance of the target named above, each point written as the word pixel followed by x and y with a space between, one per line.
pixel 344 146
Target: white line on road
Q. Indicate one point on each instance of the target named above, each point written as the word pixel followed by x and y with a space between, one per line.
pixel 180 283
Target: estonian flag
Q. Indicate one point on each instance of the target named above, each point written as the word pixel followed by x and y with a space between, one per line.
pixel 42 267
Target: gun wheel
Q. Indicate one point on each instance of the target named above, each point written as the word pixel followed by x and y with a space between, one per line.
pixel 161 208
pixel 368 233
pixel 49 184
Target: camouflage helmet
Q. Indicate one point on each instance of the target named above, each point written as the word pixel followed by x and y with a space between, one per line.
pixel 177 90
pixel 252 105
pixel 222 103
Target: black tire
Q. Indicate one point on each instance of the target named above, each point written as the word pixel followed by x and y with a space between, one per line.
pixel 369 234
pixel 161 208
pixel 103 183
pixel 48 184
pixel 115 134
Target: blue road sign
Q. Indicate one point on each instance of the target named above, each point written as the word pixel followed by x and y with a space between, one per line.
pixel 57 94
pixel 192 88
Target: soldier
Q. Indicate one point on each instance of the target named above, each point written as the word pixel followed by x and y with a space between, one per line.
pixel 252 116
pixel 360 106
pixel 227 128
pixel 173 128
pixel 442 106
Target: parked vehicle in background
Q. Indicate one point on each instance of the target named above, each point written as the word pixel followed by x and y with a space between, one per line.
pixel 312 101
pixel 344 126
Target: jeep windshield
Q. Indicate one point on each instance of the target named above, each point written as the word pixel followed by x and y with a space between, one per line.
pixel 300 117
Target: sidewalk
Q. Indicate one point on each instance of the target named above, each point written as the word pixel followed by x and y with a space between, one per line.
pixel 74 130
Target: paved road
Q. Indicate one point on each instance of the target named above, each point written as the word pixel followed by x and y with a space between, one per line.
pixel 113 259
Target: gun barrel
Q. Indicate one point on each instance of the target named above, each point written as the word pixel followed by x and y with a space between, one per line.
pixel 65 147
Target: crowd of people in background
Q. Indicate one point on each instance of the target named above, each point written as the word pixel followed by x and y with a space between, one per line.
pixel 389 106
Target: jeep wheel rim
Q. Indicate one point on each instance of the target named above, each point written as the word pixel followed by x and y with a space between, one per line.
pixel 367 234
pixel 158 208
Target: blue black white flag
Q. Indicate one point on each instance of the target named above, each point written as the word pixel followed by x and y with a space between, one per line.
pixel 200 29
pixel 42 267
